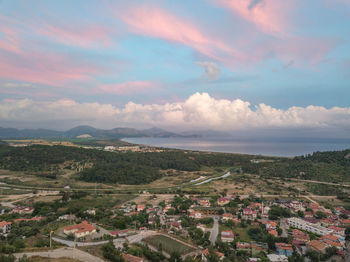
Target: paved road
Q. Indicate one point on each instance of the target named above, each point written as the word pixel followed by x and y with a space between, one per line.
pixel 118 242
pixel 214 231
pixel 63 252
pixel 283 225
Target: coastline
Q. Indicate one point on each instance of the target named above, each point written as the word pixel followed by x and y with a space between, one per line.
pixel 231 146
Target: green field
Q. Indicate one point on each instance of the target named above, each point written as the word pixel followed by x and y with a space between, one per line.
pixel 168 245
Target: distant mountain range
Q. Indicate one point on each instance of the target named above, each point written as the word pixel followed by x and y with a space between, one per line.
pixel 87 131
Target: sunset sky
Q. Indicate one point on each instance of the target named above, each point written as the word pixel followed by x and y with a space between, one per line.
pixel 180 65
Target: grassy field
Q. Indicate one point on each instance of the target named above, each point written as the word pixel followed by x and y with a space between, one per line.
pixel 240 232
pixel 168 245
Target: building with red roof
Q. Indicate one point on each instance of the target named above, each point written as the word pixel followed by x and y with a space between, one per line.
pixel 36 219
pixel 5 227
pixel 284 249
pixel 80 230
pixel 227 236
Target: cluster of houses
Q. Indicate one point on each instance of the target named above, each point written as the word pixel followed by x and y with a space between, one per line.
pixel 307 229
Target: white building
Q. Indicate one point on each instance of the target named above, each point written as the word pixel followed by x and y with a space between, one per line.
pixel 304 225
pixel 277 258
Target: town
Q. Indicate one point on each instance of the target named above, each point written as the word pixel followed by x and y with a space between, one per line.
pixel 177 227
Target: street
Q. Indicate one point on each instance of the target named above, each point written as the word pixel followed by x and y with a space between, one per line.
pixel 214 231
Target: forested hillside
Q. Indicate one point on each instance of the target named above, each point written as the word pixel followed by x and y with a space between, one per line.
pixel 333 166
pixel 140 168
pixel 110 167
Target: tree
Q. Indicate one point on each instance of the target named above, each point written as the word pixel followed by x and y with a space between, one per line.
pixel 300 213
pixel 175 257
pixel 320 215
pixel 110 252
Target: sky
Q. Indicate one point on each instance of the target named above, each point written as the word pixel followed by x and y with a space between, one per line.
pixel 228 65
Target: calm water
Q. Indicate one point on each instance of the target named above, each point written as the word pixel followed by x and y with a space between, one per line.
pixel 293 147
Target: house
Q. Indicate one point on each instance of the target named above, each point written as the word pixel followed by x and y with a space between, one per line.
pixel 273 232
pixel 131 258
pixel 140 208
pixel 110 148
pixel 300 236
pixel 196 215
pixel 297 205
pixel 277 258
pixel 249 214
pixel 243 245
pixel 344 222
pixel 36 219
pixel 205 254
pixel 202 227
pixel 284 249
pixel 253 247
pixel 80 230
pixel 227 216
pixel 90 212
pixel 308 214
pixel 23 210
pixel 204 202
pixel 339 231
pixel 176 225
pixel 227 236
pixel 5 227
pixel 119 233
pixel 332 241
pixel 255 206
pixel 270 224
pixel 223 201
pixel 67 217
pixel 316 245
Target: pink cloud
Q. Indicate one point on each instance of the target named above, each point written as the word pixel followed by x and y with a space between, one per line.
pixel 129 87
pixel 268 16
pixel 311 50
pixel 9 39
pixel 82 36
pixel 159 23
pixel 44 68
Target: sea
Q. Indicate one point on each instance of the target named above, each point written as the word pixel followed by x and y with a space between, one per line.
pixel 271 147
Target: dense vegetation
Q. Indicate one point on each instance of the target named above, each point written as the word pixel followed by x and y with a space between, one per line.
pixel 109 167
pixel 331 166
pixel 140 168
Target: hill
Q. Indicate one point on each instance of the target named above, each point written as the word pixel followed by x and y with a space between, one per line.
pixel 332 166
pixel 109 167
pixel 115 133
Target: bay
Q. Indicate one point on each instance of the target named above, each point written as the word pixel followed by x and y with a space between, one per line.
pixel 278 147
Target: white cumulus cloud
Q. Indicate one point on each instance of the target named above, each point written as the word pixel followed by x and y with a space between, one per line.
pixel 199 111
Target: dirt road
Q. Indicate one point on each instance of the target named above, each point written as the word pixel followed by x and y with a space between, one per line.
pixel 63 252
